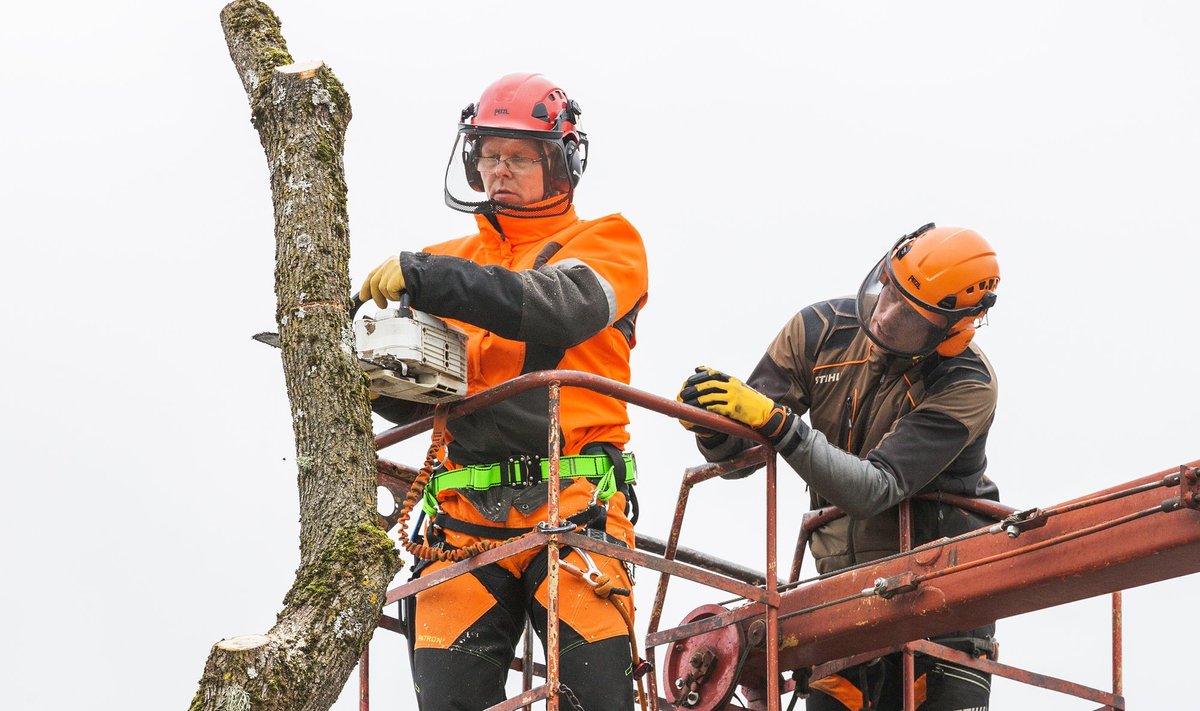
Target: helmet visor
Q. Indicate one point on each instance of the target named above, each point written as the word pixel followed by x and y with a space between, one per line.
pixel 508 173
pixel 895 320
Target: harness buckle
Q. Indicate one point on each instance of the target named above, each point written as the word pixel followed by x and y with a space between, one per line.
pixel 521 471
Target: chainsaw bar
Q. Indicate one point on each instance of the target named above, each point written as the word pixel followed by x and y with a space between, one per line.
pixel 386 363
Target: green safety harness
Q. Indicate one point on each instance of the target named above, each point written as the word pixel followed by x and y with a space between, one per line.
pixel 528 470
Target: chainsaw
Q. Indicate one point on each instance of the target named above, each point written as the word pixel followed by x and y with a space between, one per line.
pixel 407 354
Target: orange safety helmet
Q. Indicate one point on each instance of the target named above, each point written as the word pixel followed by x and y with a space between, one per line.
pixel 528 107
pixel 928 292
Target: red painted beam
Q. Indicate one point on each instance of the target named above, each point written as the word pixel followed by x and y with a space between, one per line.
pixel 977 580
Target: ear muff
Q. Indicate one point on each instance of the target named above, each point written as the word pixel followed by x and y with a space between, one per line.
pixel 960 336
pixel 469 154
pixel 575 164
pixel 958 339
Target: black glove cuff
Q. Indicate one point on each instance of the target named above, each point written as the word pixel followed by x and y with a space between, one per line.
pixel 710 439
pixel 777 424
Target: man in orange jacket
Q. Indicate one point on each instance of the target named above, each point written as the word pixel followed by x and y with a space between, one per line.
pixel 535 288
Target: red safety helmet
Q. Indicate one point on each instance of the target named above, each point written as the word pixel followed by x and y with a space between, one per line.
pixel 526 107
pixel 928 292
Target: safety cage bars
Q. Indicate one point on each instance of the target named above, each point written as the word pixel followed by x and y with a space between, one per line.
pixel 1099 544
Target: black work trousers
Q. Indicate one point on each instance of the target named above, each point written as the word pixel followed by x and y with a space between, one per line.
pixel 879 684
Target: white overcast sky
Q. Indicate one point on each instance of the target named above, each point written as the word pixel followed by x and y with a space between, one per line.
pixel 767 152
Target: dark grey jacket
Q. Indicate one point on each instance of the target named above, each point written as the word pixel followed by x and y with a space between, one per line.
pixel 883 428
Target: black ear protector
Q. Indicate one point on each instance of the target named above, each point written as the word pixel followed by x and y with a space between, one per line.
pixel 469 157
pixel 576 163
pixel 576 158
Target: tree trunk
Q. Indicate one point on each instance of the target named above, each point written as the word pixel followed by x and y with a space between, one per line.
pixel 346 560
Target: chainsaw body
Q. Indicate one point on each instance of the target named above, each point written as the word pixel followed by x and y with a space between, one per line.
pixel 411 355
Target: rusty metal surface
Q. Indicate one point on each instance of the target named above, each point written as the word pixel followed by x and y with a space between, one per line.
pixel 708 624
pixel 809 522
pixel 523 699
pixel 504 550
pixel 391 624
pixel 533 668
pixel 691 477
pixel 525 664
pixel 713 580
pixel 953 593
pixel 772 624
pixel 812 520
pixel 1118 651
pixel 907 663
pixel 364 680
pixel 1009 672
pixel 834 666
pixel 700 559
pixel 552 571
pixel 572 378
pixel 396 478
pixel 702 673
pixel 1128 535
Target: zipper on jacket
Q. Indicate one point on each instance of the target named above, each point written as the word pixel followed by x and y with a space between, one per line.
pixel 865 407
pixel 848 436
pixel 848 421
pixel 850 411
pixel 495 222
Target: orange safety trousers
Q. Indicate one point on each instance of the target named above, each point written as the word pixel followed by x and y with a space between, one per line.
pixel 463 633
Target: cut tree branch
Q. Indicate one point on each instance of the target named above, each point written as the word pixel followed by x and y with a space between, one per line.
pixel 346 560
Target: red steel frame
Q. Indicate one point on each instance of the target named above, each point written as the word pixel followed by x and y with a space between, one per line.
pixel 1122 537
pixel 1095 545
pixel 710 572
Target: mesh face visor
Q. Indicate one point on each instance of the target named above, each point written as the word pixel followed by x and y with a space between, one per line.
pixel 513 173
pixel 897 321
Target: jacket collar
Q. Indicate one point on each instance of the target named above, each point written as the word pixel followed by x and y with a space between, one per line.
pixel 885 363
pixel 522 230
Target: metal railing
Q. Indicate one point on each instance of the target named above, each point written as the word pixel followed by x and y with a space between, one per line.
pixel 690 565
pixel 761 592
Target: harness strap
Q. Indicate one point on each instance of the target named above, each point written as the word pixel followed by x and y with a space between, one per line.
pixel 611 470
pixel 588 517
pixel 620 470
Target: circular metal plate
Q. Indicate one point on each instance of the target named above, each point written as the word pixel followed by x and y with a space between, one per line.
pixel 726 643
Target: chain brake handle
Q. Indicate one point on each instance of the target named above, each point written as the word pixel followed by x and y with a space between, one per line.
pixel 405 304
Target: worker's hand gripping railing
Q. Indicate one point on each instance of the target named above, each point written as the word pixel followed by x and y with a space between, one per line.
pixel 552 535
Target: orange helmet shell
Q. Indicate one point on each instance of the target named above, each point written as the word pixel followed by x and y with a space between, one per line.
pixel 947 268
pixel 947 276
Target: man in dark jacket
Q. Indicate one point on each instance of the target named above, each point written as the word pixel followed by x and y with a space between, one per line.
pixel 900 403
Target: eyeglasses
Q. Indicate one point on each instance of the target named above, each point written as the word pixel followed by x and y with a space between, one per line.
pixel 515 164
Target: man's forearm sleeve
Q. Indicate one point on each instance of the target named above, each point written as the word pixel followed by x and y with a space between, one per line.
pixel 856 486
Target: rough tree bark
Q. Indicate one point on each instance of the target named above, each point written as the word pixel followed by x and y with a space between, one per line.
pixel 346 561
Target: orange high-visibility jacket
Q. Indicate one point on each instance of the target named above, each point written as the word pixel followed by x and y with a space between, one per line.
pixel 536 294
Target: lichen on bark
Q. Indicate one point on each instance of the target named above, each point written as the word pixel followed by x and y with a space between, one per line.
pixel 301 112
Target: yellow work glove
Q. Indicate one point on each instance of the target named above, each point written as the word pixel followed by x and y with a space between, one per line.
pixel 700 431
pixel 725 395
pixel 384 283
